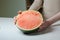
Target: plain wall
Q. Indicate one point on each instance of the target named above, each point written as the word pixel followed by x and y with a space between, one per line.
pixel 9 8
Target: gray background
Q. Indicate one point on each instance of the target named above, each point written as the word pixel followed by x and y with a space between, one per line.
pixel 9 8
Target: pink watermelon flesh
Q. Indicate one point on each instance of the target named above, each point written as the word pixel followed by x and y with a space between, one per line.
pixel 29 20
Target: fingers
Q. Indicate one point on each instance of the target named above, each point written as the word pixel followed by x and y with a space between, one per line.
pixel 19 12
pixel 15 20
pixel 44 26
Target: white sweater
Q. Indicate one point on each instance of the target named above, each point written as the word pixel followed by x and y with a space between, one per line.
pixel 51 7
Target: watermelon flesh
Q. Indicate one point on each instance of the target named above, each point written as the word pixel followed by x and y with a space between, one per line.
pixel 29 20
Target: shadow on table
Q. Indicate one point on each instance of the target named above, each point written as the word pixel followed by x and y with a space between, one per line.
pixel 49 29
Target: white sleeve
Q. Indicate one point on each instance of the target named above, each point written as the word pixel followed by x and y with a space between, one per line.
pixel 36 5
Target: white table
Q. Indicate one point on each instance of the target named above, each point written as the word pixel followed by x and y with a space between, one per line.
pixel 8 31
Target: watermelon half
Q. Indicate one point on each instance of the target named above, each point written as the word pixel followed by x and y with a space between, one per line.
pixel 29 21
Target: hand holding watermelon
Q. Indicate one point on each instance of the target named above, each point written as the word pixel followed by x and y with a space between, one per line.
pixel 49 21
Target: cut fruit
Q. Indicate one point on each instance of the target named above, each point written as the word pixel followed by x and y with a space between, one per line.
pixel 29 20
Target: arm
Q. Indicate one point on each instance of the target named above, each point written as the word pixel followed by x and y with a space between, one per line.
pixel 55 18
pixel 36 5
pixel 50 21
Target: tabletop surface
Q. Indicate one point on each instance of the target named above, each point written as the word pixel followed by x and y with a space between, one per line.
pixel 9 31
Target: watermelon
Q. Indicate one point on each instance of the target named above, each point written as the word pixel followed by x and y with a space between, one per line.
pixel 29 21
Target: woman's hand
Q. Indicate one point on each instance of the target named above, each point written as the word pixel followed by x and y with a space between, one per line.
pixel 15 17
pixel 49 21
pixel 44 26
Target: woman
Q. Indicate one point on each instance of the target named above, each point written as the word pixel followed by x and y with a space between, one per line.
pixel 50 10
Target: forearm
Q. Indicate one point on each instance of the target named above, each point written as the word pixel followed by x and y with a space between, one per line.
pixel 36 5
pixel 54 18
pixel 49 21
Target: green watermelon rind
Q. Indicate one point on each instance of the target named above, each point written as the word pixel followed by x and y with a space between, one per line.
pixel 28 31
